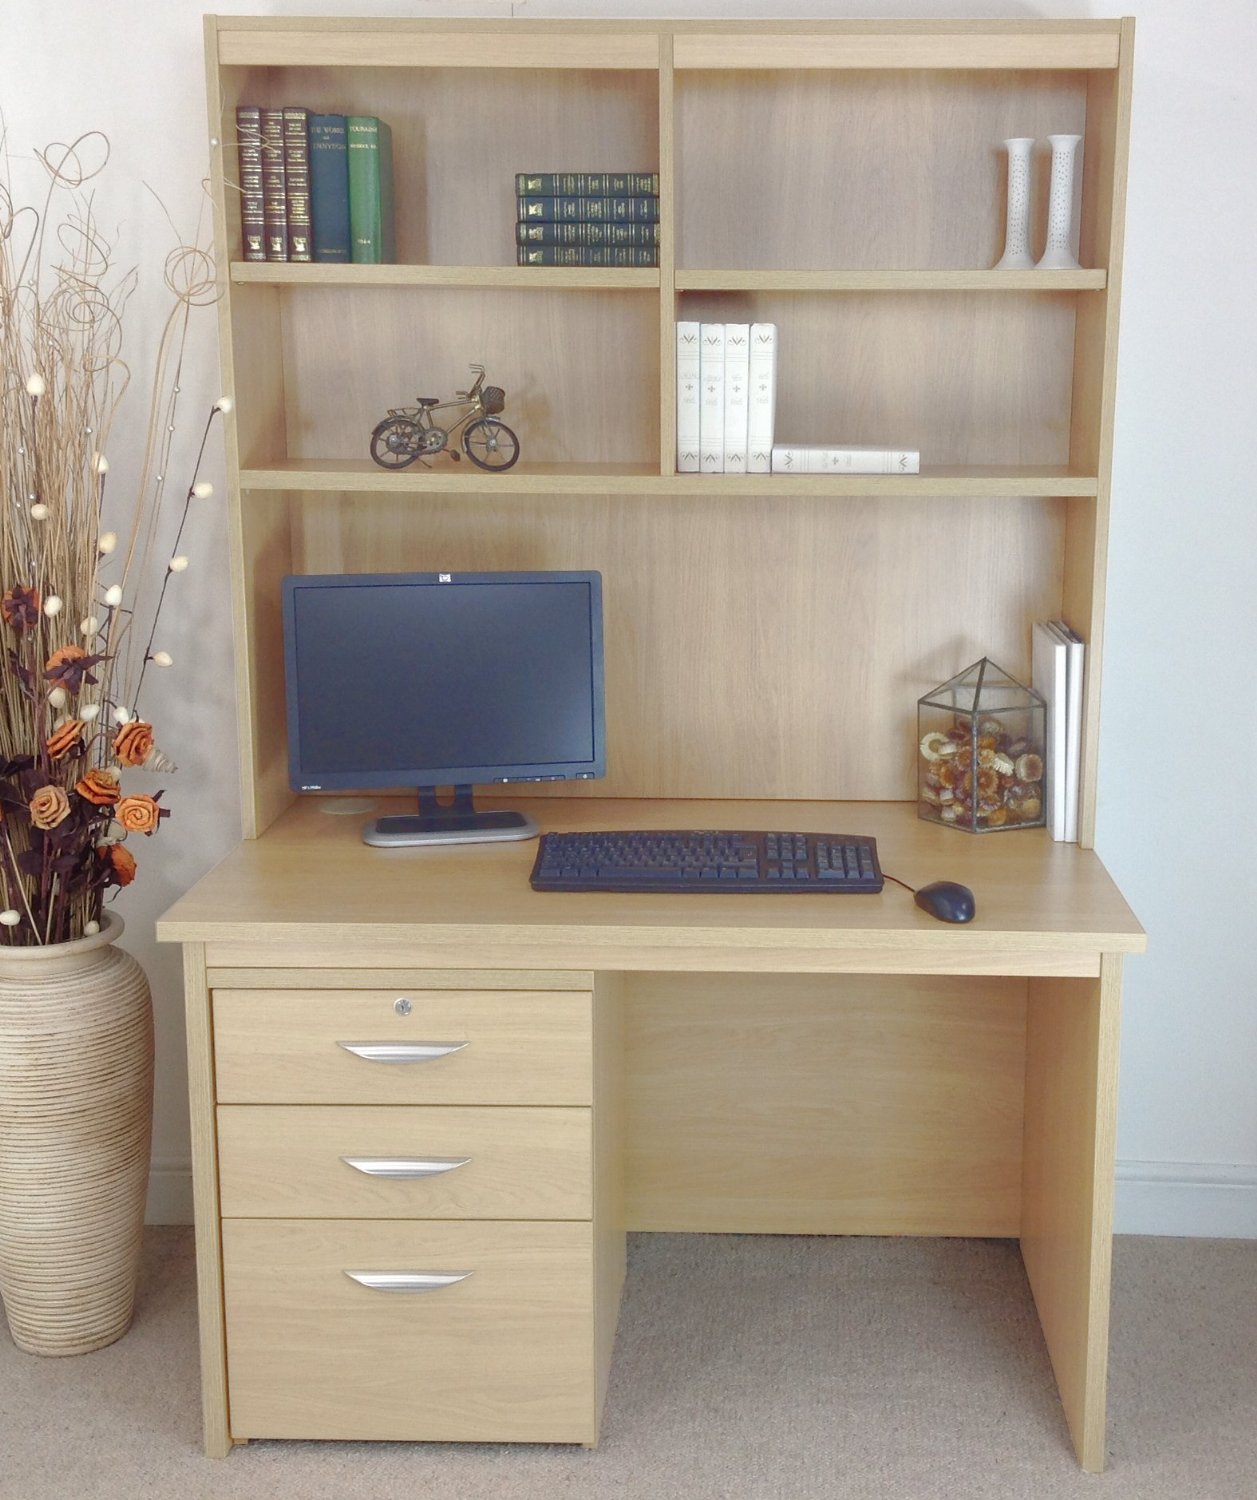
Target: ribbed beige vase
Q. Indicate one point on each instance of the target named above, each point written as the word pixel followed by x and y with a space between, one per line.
pixel 76 1109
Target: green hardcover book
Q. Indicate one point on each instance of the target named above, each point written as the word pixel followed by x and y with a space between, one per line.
pixel 553 184
pixel 580 233
pixel 604 210
pixel 370 144
pixel 587 255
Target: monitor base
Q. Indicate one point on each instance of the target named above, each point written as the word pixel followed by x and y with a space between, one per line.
pixel 458 822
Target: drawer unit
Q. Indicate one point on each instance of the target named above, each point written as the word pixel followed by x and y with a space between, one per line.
pixel 402 1047
pixel 404 1162
pixel 441 1331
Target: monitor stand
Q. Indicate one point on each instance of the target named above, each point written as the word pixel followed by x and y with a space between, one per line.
pixel 457 822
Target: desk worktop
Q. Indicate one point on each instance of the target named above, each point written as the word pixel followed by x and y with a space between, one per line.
pixel 310 883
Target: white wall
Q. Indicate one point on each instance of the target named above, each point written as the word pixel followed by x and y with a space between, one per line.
pixel 1179 739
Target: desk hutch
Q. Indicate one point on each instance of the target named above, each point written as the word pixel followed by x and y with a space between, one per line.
pixel 774 1064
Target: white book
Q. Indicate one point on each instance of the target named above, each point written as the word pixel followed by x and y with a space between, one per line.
pixel 815 458
pixel 687 398
pixel 711 405
pixel 762 411
pixel 1049 665
pixel 1075 653
pixel 737 381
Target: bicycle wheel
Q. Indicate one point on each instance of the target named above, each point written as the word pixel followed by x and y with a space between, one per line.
pixel 490 444
pixel 396 442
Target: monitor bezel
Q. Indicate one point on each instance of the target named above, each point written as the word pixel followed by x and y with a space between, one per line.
pixel 404 778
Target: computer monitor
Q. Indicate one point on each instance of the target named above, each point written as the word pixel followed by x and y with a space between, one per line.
pixel 443 679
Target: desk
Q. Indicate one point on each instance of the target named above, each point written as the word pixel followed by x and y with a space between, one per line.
pixel 789 1063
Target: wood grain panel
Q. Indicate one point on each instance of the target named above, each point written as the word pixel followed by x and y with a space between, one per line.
pixel 283 1047
pixel 857 169
pixel 286 1161
pixel 504 1356
pixel 1067 1217
pixel 873 44
pixel 824 1106
pixel 762 649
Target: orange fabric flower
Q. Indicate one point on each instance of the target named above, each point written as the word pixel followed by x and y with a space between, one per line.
pixel 63 656
pixel 20 607
pixel 121 863
pixel 49 806
pixel 64 738
pixel 99 787
pixel 138 814
pixel 133 743
pixel 69 667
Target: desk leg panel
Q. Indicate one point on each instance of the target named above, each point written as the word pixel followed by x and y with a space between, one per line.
pixel 1067 1186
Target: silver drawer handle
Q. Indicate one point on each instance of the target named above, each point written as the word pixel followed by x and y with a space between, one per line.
pixel 401 1052
pixel 407 1281
pixel 405 1166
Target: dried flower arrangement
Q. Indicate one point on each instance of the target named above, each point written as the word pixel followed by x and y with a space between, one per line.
pixel 74 661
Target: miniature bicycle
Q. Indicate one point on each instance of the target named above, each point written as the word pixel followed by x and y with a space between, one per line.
pixel 409 432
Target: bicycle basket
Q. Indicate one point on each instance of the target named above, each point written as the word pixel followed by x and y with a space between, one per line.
pixel 493 399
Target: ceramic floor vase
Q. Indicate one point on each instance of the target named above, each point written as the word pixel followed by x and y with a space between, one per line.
pixel 76 1095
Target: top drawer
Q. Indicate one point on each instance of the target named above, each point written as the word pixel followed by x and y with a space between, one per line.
pixel 410 1047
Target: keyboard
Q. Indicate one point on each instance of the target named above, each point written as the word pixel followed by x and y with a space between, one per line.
pixel 702 860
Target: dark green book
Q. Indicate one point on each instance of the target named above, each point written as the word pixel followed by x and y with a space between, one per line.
pixel 548 209
pixel 580 233
pixel 329 188
pixel 587 183
pixel 587 255
pixel 370 146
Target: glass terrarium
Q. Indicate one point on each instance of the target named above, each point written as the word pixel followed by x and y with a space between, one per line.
pixel 980 758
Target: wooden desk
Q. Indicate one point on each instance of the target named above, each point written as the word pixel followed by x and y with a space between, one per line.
pixel 719 1063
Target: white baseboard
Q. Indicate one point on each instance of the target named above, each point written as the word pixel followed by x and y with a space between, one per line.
pixel 1153 1197
pixel 1201 1199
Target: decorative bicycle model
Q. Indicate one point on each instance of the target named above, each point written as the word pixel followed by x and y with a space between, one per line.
pixel 410 432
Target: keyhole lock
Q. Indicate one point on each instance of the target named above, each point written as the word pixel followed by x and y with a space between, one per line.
pixel 402 1006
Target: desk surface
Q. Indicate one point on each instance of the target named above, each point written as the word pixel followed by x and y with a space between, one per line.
pixel 309 882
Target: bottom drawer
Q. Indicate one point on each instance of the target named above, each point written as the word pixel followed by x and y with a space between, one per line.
pixel 503 1355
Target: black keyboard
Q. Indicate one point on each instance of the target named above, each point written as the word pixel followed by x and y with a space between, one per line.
pixel 683 860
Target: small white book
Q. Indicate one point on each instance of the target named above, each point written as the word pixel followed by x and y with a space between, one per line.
pixel 1075 653
pixel 687 398
pixel 737 381
pixel 814 458
pixel 762 410
pixel 1048 658
pixel 711 405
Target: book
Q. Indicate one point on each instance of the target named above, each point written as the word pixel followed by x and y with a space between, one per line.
pixel 762 408
pixel 297 180
pixel 329 189
pixel 737 383
pixel 1075 667
pixel 625 209
pixel 572 184
pixel 369 143
pixel 711 398
pixel 1048 678
pixel 580 232
pixel 586 255
pixel 687 397
pixel 274 190
pixel 815 458
pixel 252 208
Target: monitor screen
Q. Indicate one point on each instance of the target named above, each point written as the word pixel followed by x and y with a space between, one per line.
pixel 437 679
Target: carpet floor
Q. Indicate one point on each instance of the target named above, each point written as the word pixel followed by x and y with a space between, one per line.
pixel 746 1368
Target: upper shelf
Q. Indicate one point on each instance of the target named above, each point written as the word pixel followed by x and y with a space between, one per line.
pixel 289 273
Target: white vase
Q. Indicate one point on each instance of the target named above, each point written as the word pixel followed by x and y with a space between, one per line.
pixel 76 1091
pixel 1058 253
pixel 1016 256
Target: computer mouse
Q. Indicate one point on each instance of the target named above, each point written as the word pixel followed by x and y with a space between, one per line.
pixel 947 901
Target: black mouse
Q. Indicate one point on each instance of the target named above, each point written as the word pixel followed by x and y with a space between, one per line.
pixel 947 901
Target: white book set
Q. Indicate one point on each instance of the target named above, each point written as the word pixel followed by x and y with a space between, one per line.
pixel 726 397
pixel 1057 656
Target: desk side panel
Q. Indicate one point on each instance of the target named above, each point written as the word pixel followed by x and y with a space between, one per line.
pixel 824 1104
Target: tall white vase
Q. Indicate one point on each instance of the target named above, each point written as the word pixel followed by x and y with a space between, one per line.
pixel 1058 254
pixel 1016 256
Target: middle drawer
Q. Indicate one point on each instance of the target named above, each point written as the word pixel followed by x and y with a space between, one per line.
pixel 404 1162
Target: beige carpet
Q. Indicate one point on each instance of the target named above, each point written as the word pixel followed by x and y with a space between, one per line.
pixel 746 1367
